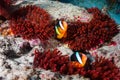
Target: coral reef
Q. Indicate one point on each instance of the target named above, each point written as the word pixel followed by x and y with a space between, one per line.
pixel 34 42
pixel 33 23
pixel 25 48
pixel 14 47
pixel 47 74
pixel 32 26
pixel 88 35
pixel 60 10
pixel 56 62
pixel 15 68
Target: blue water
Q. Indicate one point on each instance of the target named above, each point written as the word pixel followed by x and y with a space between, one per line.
pixel 100 4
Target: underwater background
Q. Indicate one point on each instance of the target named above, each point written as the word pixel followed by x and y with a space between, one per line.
pixel 59 40
pixel 112 5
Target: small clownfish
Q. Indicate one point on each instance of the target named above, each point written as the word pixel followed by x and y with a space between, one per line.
pixel 78 59
pixel 61 29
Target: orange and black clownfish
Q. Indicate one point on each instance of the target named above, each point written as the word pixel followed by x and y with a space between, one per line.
pixel 61 29
pixel 78 59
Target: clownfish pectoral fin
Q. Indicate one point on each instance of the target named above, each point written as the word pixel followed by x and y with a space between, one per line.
pixel 79 58
pixel 57 31
pixel 60 23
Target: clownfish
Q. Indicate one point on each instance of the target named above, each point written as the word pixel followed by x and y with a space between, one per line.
pixel 78 59
pixel 61 29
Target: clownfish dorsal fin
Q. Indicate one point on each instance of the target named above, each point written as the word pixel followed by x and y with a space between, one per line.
pixel 60 23
pixel 79 58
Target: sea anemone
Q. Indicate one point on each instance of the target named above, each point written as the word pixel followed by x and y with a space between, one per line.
pixel 4 8
pixel 32 22
pixel 88 35
pixel 8 2
pixel 51 60
pixel 101 69
pixel 54 61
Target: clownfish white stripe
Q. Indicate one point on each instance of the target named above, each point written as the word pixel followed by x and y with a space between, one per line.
pixel 61 25
pixel 57 31
pixel 78 57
